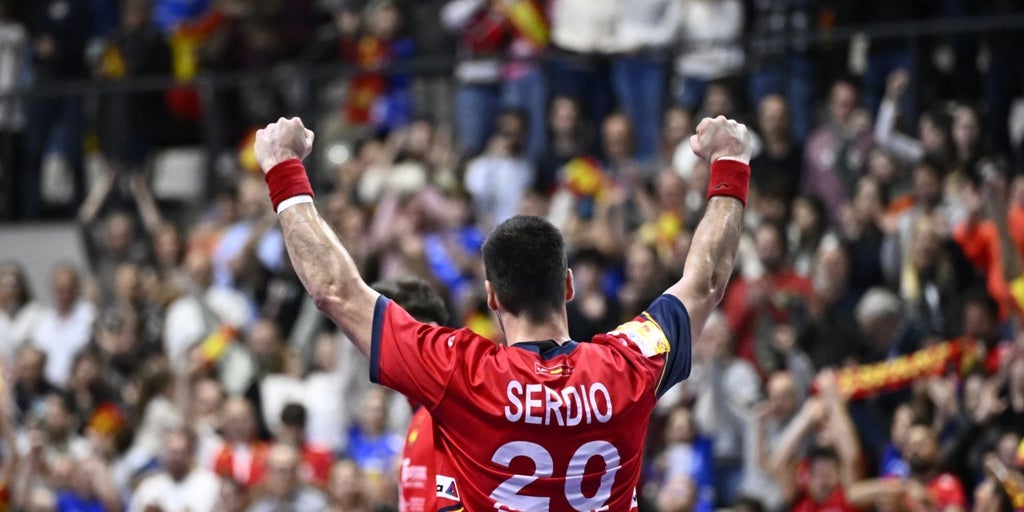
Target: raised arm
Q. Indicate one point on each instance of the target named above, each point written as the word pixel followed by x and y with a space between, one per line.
pixel 726 144
pixel 320 260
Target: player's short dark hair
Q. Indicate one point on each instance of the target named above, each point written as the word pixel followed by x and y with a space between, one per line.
pixel 525 261
pixel 416 297
pixel 293 415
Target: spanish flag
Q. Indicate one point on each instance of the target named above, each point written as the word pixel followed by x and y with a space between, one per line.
pixel 185 41
pixel 213 347
pixel 528 21
pixel 107 419
pixel 372 54
pixel 584 177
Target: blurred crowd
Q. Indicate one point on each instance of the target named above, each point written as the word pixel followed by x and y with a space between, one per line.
pixel 186 369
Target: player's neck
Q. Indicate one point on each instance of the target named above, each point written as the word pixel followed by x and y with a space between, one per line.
pixel 519 329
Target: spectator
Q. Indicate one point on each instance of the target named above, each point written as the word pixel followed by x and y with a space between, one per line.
pixel 710 48
pixel 564 129
pixel 383 101
pixel 59 31
pixel 200 311
pixel 19 313
pixel 578 62
pixel 886 329
pixel 231 496
pixel 30 384
pixel 64 328
pixel 779 163
pixel 926 486
pixel 348 488
pixel 137 48
pixel 646 33
pixel 180 485
pixel 756 307
pixel 483 40
pixel 498 180
pixel 592 311
pixel 782 57
pixel 832 336
pixel 837 151
pixel 686 466
pixel 315 463
pixel 726 389
pixel 935 276
pixel 863 235
pixel 89 488
pixel 239 454
pixel 373 447
pixel 833 462
pixel 933 127
pixel 284 489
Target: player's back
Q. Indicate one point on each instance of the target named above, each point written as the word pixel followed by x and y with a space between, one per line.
pixel 539 426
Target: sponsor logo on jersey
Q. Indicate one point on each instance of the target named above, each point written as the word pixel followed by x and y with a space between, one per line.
pixel 558 370
pixel 446 487
pixel 646 334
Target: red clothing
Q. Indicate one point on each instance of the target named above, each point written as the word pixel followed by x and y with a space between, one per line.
pixel 980 244
pixel 535 426
pixel 746 319
pixel 316 464
pixel 417 480
pixel 419 489
pixel 1015 219
pixel 245 463
pixel 836 502
pixel 946 491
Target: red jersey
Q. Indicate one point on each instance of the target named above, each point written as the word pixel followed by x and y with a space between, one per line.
pixel 535 426
pixel 419 488
pixel 946 491
pixel 836 502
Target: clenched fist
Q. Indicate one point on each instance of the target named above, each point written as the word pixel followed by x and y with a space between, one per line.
pixel 280 141
pixel 719 138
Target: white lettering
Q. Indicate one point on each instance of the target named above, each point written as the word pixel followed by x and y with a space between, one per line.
pixel 531 391
pixel 571 397
pixel 594 389
pixel 554 405
pixel 514 388
pixel 537 404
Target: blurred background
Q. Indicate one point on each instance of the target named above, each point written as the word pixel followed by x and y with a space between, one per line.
pixel 159 353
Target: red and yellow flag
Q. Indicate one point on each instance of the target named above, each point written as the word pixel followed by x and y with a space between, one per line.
pixel 216 344
pixel 584 177
pixel 959 355
pixel 528 21
pixel 107 419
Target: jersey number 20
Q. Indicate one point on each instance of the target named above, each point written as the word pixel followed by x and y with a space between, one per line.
pixel 507 493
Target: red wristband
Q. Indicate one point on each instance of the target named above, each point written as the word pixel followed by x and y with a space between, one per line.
pixel 287 179
pixel 729 178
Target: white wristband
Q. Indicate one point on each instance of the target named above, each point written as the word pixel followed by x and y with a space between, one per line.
pixel 292 201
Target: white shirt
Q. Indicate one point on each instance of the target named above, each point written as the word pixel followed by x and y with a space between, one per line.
pixel 711 30
pixel 498 184
pixel 63 337
pixel 584 26
pixel 17 330
pixel 196 493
